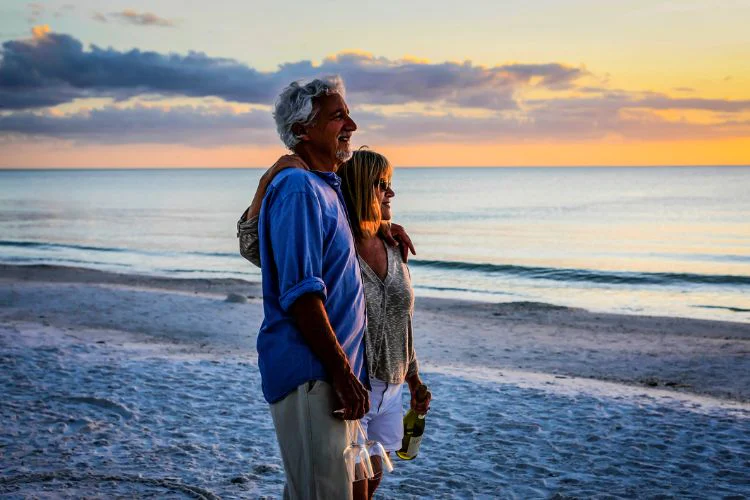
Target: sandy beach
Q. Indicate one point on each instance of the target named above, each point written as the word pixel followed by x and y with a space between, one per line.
pixel 687 355
pixel 147 386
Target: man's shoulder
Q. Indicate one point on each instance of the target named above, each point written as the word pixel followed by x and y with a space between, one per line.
pixel 295 184
pixel 295 179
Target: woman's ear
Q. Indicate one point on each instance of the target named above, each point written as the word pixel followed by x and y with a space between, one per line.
pixel 300 132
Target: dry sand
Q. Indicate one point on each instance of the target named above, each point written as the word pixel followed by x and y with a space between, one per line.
pixel 687 355
pixel 121 386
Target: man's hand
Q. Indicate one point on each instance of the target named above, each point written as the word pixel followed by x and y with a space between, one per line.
pixel 312 320
pixel 397 236
pixel 286 161
pixel 352 395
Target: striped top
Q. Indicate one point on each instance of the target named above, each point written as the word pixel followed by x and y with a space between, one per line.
pixel 390 306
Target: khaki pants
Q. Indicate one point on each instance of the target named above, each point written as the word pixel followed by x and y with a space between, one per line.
pixel 312 443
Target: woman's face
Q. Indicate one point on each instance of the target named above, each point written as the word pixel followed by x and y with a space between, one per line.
pixel 383 194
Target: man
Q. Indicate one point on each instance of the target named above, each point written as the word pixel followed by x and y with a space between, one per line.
pixel 310 345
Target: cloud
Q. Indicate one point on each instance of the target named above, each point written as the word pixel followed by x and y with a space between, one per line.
pixel 619 100
pixel 64 9
pixel 98 16
pixel 384 81
pixel 193 125
pixel 141 19
pixel 40 32
pixel 553 75
pixel 51 69
pixel 36 11
pixel 206 126
pixel 587 123
pixel 56 69
pixel 718 105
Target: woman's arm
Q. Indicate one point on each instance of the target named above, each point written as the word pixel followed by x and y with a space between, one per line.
pixel 286 161
pixel 395 235
pixel 412 376
pixel 247 228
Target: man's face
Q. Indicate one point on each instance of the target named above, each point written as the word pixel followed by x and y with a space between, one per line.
pixel 330 136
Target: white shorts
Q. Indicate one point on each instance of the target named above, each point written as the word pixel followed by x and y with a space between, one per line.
pixel 385 420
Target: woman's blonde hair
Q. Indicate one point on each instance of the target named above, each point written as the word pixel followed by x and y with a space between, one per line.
pixel 359 176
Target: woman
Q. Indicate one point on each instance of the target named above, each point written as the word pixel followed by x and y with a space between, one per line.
pixel 391 359
pixel 366 185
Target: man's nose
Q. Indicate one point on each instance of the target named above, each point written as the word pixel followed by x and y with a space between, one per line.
pixel 350 125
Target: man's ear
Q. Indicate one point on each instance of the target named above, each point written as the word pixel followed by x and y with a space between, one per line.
pixel 300 131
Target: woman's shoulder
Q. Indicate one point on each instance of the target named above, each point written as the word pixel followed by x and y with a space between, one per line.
pixel 394 257
pixel 393 250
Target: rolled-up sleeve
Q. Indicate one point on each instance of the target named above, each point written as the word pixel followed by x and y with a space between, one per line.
pixel 296 234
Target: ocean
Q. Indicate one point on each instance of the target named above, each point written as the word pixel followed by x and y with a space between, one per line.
pixel 671 241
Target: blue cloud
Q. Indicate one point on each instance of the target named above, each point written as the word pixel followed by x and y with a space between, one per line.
pixel 213 126
pixel 52 69
pixel 142 18
pixel 55 68
pixel 201 125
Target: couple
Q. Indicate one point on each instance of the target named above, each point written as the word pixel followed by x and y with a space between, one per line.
pixel 332 291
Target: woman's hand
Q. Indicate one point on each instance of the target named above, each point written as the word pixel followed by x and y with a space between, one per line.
pixel 420 407
pixel 397 236
pixel 286 161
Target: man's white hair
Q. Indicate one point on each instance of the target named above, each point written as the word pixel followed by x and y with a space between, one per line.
pixel 295 105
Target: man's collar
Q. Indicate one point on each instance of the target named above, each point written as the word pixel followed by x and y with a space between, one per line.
pixel 331 178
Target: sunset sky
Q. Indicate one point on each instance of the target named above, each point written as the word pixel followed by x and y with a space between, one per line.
pixel 483 83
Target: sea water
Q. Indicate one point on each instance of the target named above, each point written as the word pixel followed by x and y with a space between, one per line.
pixel 661 241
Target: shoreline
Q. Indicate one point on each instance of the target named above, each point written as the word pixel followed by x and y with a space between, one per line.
pixel 694 356
pixel 252 290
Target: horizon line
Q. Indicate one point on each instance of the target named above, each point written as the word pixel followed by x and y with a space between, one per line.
pixel 739 165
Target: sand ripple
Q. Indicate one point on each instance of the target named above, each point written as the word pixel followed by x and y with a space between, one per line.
pixel 67 484
pixel 96 420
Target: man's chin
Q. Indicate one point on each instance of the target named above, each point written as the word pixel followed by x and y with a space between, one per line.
pixel 344 154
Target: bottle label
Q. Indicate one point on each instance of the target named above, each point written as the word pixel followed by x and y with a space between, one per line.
pixel 413 448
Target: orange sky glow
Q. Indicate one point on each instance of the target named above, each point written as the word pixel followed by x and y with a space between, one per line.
pixel 606 153
pixel 635 84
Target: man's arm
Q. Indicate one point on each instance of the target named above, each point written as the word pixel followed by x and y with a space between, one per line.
pixel 296 238
pixel 312 320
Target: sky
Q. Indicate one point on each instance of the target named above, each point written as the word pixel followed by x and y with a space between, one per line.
pixel 136 84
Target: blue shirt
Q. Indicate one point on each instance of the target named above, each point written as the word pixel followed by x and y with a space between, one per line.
pixel 306 246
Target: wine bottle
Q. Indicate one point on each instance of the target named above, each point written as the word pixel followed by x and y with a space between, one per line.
pixel 413 428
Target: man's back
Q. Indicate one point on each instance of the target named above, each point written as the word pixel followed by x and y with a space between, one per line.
pixel 307 247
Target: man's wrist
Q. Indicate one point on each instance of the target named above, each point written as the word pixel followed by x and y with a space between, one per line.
pixel 339 368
